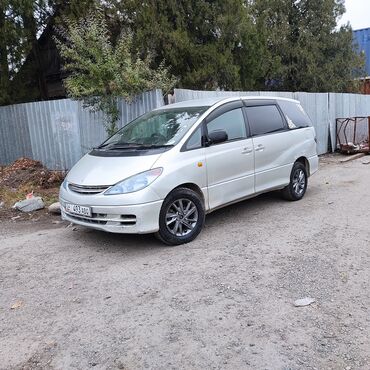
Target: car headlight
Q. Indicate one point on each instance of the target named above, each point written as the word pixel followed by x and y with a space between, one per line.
pixel 135 183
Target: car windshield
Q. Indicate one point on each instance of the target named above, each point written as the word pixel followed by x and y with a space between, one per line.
pixel 158 128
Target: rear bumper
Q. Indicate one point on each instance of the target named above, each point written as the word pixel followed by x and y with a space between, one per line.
pixel 133 219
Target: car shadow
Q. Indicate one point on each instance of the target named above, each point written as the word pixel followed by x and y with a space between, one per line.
pixel 245 208
pixel 111 242
pixel 136 243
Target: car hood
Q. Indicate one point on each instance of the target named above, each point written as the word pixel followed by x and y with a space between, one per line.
pixel 92 170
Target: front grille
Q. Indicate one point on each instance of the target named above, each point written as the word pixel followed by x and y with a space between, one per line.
pixel 87 190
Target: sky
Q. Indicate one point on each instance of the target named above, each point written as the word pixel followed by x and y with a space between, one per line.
pixel 358 14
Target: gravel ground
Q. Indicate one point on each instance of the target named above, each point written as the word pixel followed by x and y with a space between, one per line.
pixel 78 299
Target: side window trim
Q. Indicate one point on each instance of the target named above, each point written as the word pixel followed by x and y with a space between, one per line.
pixel 266 103
pixel 225 108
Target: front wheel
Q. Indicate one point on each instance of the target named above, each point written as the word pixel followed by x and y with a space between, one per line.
pixel 181 218
pixel 298 183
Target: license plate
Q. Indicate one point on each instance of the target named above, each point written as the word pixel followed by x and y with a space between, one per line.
pixel 78 210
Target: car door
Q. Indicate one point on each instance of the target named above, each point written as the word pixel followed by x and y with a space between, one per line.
pixel 230 164
pixel 272 142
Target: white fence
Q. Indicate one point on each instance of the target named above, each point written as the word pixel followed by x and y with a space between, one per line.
pixel 59 132
pixel 323 108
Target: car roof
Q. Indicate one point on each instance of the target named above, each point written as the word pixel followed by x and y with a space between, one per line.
pixel 209 102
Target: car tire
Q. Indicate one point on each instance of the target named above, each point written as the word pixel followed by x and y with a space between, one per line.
pixel 298 183
pixel 181 218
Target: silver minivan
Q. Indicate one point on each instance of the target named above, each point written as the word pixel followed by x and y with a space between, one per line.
pixel 164 171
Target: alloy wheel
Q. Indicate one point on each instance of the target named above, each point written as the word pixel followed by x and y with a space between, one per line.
pixel 181 217
pixel 299 181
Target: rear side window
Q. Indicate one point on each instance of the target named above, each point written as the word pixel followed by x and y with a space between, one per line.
pixel 232 122
pixel 295 115
pixel 264 119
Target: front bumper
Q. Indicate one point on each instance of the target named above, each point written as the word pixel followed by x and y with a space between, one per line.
pixel 132 219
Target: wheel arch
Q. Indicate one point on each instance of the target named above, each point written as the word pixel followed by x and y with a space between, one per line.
pixel 306 163
pixel 193 187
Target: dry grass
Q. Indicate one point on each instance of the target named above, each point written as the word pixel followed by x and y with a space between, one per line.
pixel 25 176
pixel 10 196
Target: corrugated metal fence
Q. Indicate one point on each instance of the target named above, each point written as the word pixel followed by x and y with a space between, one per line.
pixel 323 108
pixel 59 132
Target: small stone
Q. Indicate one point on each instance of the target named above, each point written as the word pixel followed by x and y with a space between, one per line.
pixel 54 208
pixel 304 302
pixel 16 305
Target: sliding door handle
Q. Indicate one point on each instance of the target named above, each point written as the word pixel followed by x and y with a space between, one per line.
pixel 247 151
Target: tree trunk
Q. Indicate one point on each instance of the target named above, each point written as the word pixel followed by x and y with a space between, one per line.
pixel 4 66
pixel 31 26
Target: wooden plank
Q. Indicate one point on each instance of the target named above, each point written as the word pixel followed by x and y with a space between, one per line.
pixel 352 157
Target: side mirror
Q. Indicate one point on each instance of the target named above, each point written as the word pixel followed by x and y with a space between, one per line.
pixel 217 136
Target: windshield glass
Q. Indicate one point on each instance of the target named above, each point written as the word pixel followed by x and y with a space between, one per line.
pixel 163 127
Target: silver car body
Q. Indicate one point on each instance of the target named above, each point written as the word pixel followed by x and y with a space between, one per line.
pixel 222 174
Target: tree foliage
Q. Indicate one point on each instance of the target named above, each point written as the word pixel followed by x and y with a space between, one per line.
pixel 305 50
pixel 207 44
pixel 248 45
pixel 100 71
pixel 22 22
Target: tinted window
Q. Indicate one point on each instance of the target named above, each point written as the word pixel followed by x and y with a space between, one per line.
pixel 232 122
pixel 195 140
pixel 264 119
pixel 295 115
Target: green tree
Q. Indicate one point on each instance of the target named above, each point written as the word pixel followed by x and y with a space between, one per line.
pixel 100 71
pixel 21 24
pixel 4 64
pixel 207 44
pixel 305 50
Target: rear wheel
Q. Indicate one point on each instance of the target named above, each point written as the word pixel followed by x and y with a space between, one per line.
pixel 298 183
pixel 181 218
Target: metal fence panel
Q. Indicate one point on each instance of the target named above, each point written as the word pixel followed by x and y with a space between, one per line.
pixel 316 106
pixel 345 106
pixel 59 132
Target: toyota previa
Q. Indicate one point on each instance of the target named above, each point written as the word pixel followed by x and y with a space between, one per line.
pixel 164 171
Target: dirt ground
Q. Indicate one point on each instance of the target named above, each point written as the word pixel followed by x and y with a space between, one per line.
pixel 73 298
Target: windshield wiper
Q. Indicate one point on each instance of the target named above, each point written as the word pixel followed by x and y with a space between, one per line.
pixel 136 146
pixel 118 145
